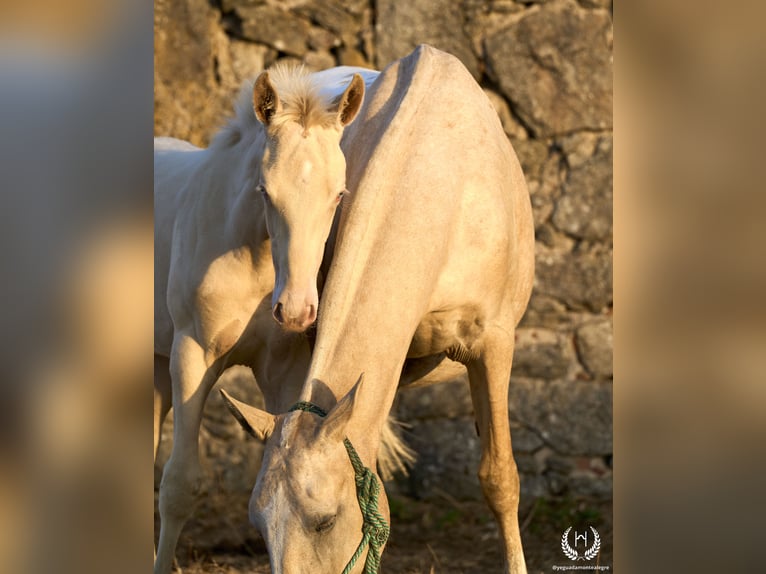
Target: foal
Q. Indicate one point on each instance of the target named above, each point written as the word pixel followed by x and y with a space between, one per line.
pixel 240 230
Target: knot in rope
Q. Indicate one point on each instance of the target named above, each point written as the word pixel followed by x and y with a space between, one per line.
pixel 375 529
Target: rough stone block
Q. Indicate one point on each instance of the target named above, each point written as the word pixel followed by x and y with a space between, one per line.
pixel 585 208
pixel 594 346
pixel 541 353
pixel 581 279
pixel 248 59
pixel 280 29
pixel 547 312
pixel 401 26
pixel 448 458
pixel 555 65
pixel 573 417
pixel 525 440
pixel 330 14
pixel 532 155
pixel 445 400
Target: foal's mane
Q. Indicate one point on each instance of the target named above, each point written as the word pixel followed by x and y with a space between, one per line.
pixel 299 95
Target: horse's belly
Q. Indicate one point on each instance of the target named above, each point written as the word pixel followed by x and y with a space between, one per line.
pixel 442 330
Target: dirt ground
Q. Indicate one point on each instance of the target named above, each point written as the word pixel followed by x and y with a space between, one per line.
pixel 443 536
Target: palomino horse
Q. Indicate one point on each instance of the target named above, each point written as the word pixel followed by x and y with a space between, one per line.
pixel 433 262
pixel 240 230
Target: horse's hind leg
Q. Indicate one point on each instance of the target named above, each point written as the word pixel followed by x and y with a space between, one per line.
pixel 163 397
pixel 489 376
pixel 181 478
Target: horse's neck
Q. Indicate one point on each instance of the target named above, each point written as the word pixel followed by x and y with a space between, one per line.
pixel 345 348
pixel 374 301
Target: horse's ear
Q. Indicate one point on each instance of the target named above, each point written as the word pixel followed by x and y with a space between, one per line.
pixel 334 426
pixel 265 99
pixel 351 101
pixel 256 422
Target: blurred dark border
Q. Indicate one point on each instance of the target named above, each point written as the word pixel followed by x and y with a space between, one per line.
pixel 76 107
pixel 690 392
pixel 76 124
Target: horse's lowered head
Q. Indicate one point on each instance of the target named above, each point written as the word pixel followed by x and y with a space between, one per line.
pixel 304 502
pixel 303 179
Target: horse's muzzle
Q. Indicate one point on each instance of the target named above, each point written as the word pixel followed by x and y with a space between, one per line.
pixel 297 322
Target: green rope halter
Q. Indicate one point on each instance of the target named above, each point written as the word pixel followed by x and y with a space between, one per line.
pixel 375 530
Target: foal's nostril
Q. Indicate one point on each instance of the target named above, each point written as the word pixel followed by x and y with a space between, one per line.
pixel 312 314
pixel 277 314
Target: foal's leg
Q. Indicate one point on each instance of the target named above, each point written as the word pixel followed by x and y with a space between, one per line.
pixel 163 397
pixel 489 376
pixel 181 479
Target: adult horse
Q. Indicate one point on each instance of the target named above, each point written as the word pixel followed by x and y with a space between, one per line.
pixel 433 263
pixel 240 230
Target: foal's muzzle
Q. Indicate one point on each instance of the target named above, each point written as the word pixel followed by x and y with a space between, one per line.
pixel 294 319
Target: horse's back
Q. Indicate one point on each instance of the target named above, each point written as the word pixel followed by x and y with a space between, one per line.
pixel 163 143
pixel 426 115
pixel 174 162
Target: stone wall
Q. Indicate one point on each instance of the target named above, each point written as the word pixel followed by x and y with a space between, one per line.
pixel 547 67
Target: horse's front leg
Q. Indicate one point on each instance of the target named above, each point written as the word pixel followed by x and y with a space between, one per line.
pixel 489 376
pixel 192 380
pixel 163 397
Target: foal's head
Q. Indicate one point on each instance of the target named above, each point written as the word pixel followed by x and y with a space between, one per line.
pixel 304 502
pixel 303 179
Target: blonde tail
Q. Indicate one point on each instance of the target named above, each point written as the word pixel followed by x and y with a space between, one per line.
pixel 394 456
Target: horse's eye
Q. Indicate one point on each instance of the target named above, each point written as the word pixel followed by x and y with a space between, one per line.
pixel 325 524
pixel 341 194
pixel 263 191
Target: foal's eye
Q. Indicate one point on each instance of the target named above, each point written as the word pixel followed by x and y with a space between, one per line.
pixel 340 195
pixel 325 524
pixel 263 191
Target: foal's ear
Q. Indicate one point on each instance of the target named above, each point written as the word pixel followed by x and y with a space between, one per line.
pixel 256 422
pixel 334 426
pixel 265 99
pixel 351 101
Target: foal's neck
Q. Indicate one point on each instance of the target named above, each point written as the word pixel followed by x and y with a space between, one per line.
pixel 240 175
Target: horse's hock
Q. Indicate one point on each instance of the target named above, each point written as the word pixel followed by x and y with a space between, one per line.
pixel 529 57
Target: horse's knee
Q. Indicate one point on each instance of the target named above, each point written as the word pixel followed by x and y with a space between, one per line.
pixel 179 490
pixel 500 482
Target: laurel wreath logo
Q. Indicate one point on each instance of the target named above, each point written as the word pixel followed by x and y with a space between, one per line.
pixel 572 554
pixel 591 552
pixel 569 552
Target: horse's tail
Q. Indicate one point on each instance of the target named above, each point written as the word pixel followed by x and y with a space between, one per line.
pixel 394 456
